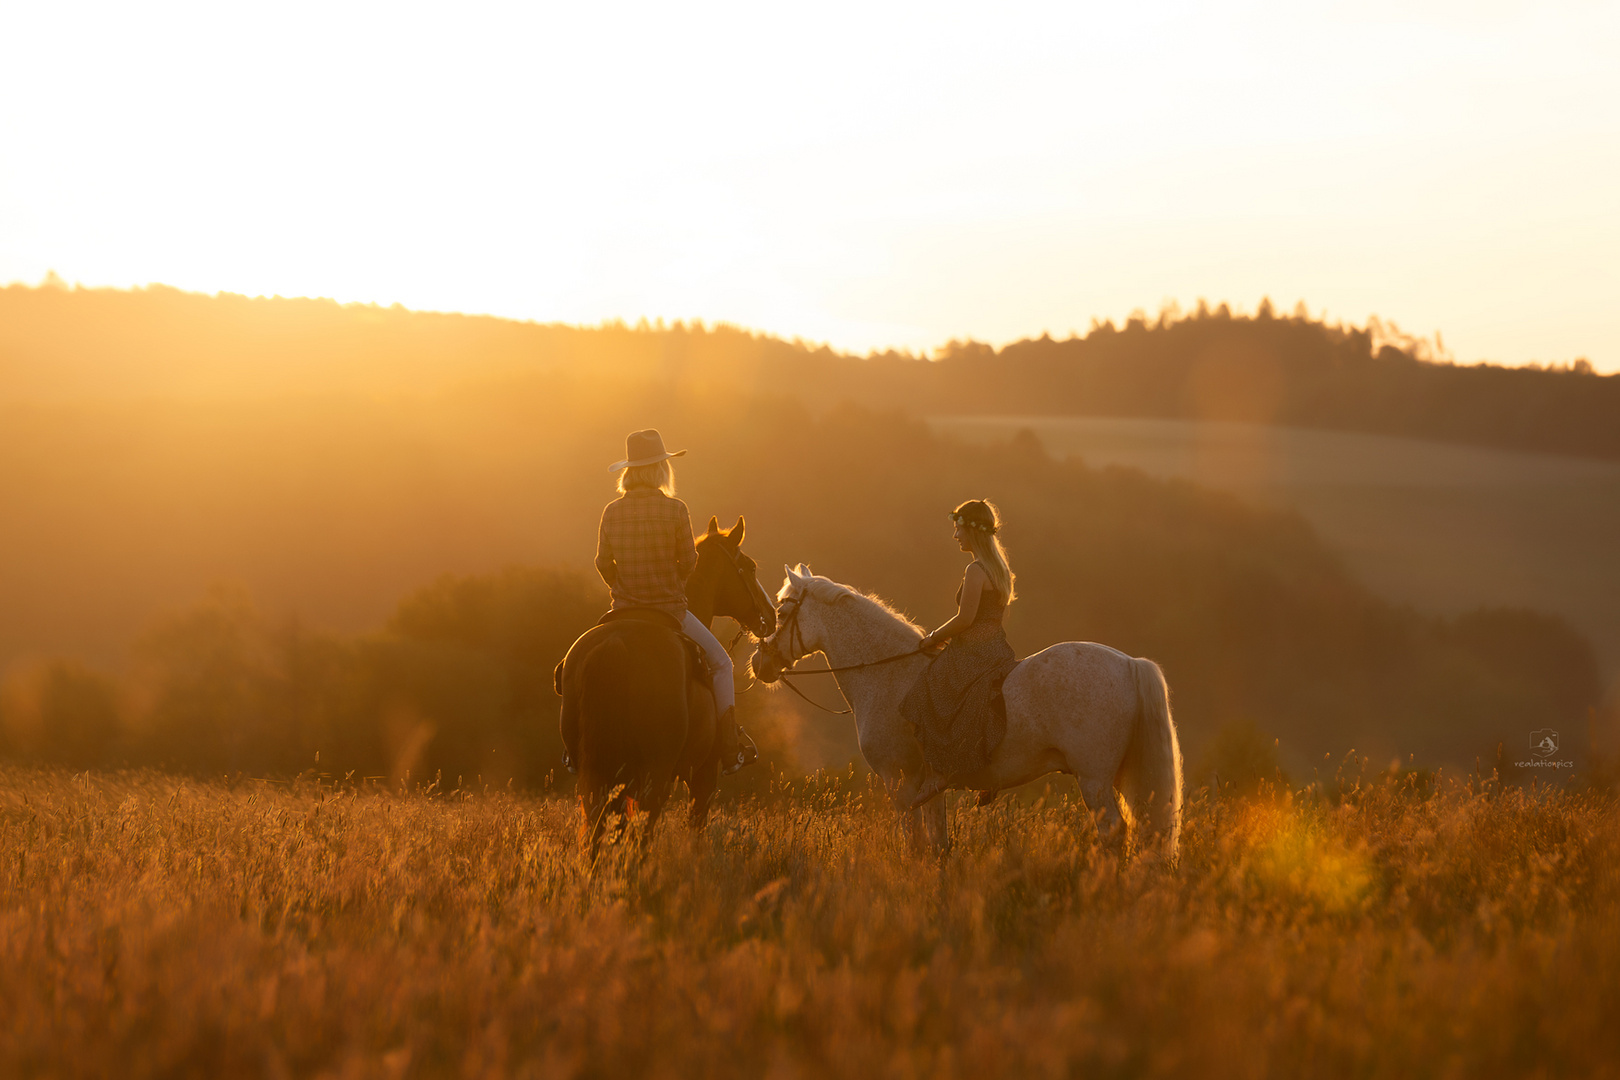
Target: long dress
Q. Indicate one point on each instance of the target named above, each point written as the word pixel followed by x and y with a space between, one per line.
pixel 955 706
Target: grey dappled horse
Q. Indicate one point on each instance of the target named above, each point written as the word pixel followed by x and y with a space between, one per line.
pixel 1076 707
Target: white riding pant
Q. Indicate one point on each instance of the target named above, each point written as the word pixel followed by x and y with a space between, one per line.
pixel 725 693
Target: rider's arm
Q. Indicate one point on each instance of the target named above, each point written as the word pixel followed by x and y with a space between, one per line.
pixel 685 547
pixel 973 583
pixel 604 555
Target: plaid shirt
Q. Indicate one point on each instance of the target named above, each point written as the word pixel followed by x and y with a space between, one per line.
pixel 644 550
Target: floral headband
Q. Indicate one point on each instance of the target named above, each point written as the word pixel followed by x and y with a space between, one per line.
pixel 967 522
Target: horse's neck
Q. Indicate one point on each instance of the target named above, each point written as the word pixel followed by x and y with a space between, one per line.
pixel 700 596
pixel 855 634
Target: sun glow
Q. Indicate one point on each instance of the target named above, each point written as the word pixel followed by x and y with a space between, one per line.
pixel 896 175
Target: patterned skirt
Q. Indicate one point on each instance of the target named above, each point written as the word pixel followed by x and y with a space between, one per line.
pixel 955 707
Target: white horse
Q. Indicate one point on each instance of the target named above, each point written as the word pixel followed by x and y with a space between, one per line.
pixel 1077 707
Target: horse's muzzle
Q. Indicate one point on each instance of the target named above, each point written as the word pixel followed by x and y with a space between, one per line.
pixel 765 667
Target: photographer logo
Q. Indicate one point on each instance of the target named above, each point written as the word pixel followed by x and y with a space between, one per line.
pixel 1544 743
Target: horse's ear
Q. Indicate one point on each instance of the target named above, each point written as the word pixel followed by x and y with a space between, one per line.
pixel 714 526
pixel 737 530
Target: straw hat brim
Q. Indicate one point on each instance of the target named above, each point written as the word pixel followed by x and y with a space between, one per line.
pixel 638 462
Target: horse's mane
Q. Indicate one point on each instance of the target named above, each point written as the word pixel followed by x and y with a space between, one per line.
pixel 830 591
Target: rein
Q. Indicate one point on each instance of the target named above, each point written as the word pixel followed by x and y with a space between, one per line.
pixel 852 667
pixel 785 681
pixel 791 624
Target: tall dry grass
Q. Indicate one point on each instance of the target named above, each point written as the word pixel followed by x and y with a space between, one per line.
pixel 154 926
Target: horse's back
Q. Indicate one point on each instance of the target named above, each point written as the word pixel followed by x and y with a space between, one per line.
pixel 1074 681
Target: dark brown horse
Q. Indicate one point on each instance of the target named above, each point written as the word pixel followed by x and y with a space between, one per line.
pixel 637 712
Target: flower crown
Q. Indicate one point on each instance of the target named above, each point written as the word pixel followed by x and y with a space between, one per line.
pixel 971 523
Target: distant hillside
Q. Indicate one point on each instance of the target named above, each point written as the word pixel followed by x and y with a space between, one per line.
pixel 60 344
pixel 1293 371
pixel 1445 527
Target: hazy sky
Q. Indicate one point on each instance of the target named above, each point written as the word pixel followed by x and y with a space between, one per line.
pixel 864 174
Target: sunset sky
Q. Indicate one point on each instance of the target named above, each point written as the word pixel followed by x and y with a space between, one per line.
pixel 869 175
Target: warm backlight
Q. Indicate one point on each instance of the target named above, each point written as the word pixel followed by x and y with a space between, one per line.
pixel 869 176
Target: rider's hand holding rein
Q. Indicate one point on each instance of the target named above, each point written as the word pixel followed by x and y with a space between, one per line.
pixel 974 581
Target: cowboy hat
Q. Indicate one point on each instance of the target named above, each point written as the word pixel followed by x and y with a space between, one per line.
pixel 643 448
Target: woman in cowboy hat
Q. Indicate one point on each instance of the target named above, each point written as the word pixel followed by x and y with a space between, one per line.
pixel 645 553
pixel 955 706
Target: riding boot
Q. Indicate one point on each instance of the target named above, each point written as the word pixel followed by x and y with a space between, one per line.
pixel 737 750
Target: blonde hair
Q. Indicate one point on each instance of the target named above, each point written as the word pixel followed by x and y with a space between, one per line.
pixel 659 475
pixel 982 521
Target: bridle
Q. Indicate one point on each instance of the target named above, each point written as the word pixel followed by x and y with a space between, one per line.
pixel 787 620
pixel 784 662
pixel 747 573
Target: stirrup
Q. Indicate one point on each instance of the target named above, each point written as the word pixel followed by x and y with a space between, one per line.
pixel 747 754
pixel 568 763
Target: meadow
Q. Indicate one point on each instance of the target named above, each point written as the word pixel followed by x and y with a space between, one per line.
pixel 247 537
pixel 1372 924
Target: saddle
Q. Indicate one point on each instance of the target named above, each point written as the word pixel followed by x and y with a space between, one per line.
pixel 643 614
pixel 696 657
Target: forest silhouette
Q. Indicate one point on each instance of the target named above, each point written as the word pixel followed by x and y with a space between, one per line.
pixel 66 344
pixel 403 508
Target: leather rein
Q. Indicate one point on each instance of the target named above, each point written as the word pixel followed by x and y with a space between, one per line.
pixel 790 623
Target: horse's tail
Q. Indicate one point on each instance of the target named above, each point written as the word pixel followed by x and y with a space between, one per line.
pixel 603 704
pixel 1152 779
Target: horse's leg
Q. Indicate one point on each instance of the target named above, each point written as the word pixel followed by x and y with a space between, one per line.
pixel 703 777
pixel 1102 801
pixel 590 821
pixel 600 804
pixel 911 826
pixel 937 822
pixel 705 782
pixel 656 793
pixel 903 788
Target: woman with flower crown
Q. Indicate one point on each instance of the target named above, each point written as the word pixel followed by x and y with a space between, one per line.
pixel 955 707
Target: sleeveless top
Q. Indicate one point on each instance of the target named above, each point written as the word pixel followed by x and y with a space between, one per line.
pixel 987 619
pixel 955 707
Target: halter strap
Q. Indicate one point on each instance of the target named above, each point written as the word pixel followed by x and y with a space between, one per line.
pixel 791 624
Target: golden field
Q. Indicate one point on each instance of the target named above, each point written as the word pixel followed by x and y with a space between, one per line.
pixel 1369 926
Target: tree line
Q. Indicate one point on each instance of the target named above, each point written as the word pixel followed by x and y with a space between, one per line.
pixel 1209 364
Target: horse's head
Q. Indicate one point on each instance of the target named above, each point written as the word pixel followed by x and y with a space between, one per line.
pixel 798 632
pixel 726 581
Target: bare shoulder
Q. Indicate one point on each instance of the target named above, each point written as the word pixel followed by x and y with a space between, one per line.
pixel 974 575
